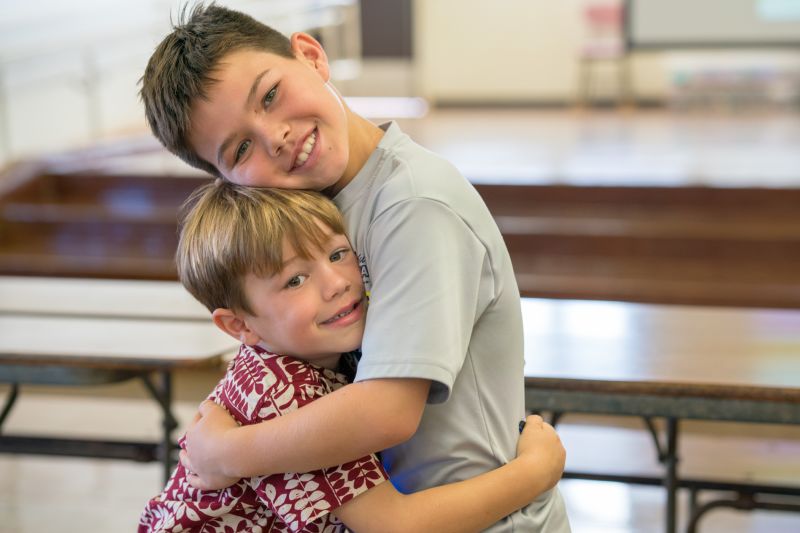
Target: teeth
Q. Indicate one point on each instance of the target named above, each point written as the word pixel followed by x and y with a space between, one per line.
pixel 337 317
pixel 340 315
pixel 309 144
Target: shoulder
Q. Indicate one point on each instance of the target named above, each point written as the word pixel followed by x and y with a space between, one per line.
pixel 260 385
pixel 411 175
pixel 271 385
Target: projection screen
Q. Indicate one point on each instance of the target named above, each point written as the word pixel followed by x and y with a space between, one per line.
pixel 712 23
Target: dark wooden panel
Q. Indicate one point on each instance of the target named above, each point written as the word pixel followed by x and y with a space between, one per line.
pixel 86 225
pixel 690 245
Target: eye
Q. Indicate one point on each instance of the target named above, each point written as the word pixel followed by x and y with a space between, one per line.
pixel 240 151
pixel 296 281
pixel 270 96
pixel 339 255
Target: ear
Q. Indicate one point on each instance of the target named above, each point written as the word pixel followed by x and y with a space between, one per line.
pixel 235 325
pixel 310 51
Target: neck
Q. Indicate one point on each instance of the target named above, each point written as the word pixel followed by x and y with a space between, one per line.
pixel 331 362
pixel 364 137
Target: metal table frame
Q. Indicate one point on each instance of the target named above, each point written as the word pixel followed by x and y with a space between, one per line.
pixel 136 312
pixel 160 390
pixel 673 403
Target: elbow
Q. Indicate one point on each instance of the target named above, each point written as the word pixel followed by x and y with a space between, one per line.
pixel 396 430
pixel 397 408
pixel 406 431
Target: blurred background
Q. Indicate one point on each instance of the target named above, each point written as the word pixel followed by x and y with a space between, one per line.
pixel 583 93
pixel 69 70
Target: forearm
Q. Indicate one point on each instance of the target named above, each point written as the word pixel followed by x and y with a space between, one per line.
pixel 355 420
pixel 465 506
pixel 477 503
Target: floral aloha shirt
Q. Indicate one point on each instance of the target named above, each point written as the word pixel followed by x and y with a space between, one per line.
pixel 259 386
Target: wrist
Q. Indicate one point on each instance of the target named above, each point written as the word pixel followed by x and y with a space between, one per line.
pixel 534 475
pixel 230 452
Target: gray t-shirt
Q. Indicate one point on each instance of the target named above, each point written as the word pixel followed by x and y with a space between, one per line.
pixel 444 306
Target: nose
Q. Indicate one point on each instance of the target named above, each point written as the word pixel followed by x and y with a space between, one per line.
pixel 273 136
pixel 334 283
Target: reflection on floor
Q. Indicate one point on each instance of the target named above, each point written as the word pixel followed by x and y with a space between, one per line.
pixel 101 496
pixel 593 147
pixel 607 147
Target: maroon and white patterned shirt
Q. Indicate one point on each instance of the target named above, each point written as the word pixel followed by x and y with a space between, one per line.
pixel 259 386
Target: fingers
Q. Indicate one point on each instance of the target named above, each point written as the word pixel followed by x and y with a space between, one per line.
pixel 533 420
pixel 206 407
pixel 195 481
pixel 196 418
pixel 184 459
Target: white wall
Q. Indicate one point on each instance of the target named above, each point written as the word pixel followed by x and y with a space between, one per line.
pixel 497 51
pixel 69 70
pixel 509 50
pixel 529 51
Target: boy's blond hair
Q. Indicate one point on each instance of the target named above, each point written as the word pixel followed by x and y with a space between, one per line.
pixel 229 231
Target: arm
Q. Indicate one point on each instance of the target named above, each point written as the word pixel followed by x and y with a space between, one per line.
pixel 471 505
pixel 219 452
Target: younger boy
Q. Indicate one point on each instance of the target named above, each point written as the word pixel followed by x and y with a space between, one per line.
pixel 278 273
pixel 440 385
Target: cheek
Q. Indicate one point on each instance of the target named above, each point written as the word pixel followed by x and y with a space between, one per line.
pixel 259 173
pixel 299 318
pixel 256 179
pixel 338 155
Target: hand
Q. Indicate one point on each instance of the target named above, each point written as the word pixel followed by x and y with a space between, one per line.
pixel 204 453
pixel 540 444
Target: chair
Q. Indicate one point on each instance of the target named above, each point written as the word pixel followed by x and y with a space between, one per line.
pixel 604 45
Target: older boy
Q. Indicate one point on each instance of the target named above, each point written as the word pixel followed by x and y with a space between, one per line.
pixel 296 289
pixel 440 384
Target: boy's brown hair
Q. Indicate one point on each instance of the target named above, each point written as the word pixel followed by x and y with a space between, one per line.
pixel 182 66
pixel 229 231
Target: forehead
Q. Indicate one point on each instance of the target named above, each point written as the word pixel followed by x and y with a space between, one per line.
pixel 222 109
pixel 297 245
pixel 244 63
pixel 232 78
pixel 307 240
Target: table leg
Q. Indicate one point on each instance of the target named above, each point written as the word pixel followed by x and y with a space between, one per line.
pixel 671 474
pixel 10 400
pixel 168 423
pixel 163 395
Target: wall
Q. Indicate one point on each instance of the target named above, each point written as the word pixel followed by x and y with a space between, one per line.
pixel 508 50
pixel 69 71
pixel 528 51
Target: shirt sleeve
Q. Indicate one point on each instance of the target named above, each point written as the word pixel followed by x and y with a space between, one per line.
pixel 299 499
pixel 427 267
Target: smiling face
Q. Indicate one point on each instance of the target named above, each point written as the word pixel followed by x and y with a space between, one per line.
pixel 272 121
pixel 313 309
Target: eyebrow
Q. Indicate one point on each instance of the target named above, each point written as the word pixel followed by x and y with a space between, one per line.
pixel 289 261
pixel 250 95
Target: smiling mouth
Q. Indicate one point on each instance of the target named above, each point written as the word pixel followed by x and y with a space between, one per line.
pixel 308 146
pixel 343 314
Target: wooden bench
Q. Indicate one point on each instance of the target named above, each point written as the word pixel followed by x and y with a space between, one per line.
pixel 683 244
pixel 92 225
pixel 88 332
pixel 672 363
